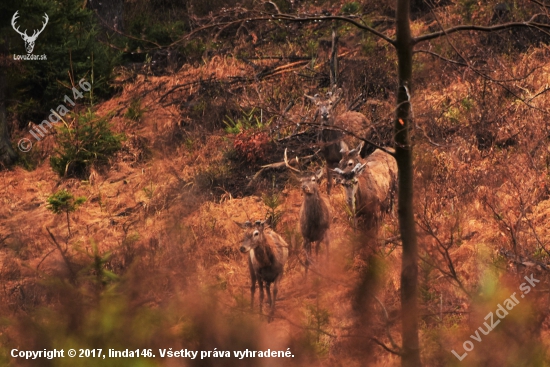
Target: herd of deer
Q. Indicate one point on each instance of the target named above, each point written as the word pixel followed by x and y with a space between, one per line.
pixel 369 186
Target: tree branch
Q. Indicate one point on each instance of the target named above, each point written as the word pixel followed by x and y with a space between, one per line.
pixel 336 128
pixel 446 32
pixel 393 343
pixel 364 27
pixel 288 18
pixel 477 28
pixel 386 347
pixel 441 57
pixel 542 5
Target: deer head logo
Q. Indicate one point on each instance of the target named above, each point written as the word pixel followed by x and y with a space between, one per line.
pixel 29 40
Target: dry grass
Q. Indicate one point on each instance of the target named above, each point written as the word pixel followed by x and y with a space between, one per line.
pixel 163 217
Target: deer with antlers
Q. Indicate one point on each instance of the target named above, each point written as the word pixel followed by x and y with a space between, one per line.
pixel 268 253
pixel 332 143
pixel 369 183
pixel 315 213
pixel 29 40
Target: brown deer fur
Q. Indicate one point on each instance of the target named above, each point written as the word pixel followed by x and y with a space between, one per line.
pixel 332 139
pixel 315 213
pixel 268 253
pixel 369 184
pixel 315 216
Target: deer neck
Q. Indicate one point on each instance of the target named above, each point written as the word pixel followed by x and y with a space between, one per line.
pixel 313 205
pixel 264 255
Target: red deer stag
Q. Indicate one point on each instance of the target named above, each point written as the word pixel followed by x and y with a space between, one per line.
pixel 315 213
pixel 369 184
pixel 268 253
pixel 331 140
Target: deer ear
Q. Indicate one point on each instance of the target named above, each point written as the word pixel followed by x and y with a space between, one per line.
pixel 261 224
pixel 357 151
pixel 335 95
pixel 358 169
pixel 310 97
pixel 244 225
pixel 343 147
pixel 319 174
pixel 359 147
pixel 334 91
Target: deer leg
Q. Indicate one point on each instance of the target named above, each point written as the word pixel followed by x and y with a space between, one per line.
pixel 354 215
pixel 307 247
pixel 252 291
pixel 270 301
pixel 275 290
pixel 329 179
pixel 261 283
pixel 354 211
pixel 268 289
pixel 253 280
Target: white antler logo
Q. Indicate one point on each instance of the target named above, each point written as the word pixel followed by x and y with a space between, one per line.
pixel 29 40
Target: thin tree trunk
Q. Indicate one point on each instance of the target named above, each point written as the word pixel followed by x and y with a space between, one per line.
pixel 403 152
pixel 334 56
pixel 110 13
pixel 7 154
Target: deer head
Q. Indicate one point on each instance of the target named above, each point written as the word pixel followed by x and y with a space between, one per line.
pixel 350 158
pixel 309 181
pixel 253 235
pixel 29 40
pixel 325 106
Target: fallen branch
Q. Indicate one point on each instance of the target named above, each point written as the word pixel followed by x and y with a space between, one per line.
pixel 279 165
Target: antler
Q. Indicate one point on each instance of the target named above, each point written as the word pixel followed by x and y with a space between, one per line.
pixel 13 19
pixel 314 99
pixel 36 33
pixel 288 165
pixel 336 95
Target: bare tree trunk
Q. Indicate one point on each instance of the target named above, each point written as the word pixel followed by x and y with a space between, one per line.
pixel 110 13
pixel 7 155
pixel 403 152
pixel 334 57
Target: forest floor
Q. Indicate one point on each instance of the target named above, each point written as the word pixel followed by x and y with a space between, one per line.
pixel 161 218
